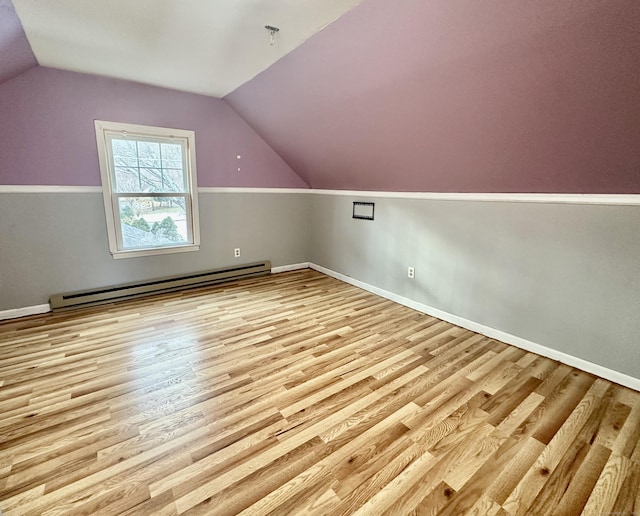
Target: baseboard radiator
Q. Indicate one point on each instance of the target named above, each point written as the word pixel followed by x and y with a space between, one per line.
pixel 102 295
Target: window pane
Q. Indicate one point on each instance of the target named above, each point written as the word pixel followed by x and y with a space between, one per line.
pixel 127 179
pixel 149 162
pixel 174 181
pixel 149 152
pixel 151 180
pixel 171 155
pixel 124 153
pixel 148 166
pixel 153 221
pixel 172 165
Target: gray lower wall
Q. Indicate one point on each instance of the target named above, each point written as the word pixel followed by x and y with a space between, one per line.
pixel 563 276
pixel 57 242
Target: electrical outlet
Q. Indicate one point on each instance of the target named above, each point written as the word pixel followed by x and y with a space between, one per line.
pixel 236 252
pixel 411 272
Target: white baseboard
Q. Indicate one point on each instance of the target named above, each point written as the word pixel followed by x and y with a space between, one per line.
pixel 287 268
pixel 23 312
pixel 41 309
pixel 570 360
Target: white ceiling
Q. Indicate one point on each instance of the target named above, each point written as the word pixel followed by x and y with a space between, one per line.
pixel 202 46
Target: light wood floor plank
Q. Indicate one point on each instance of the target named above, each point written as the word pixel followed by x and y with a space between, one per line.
pixel 299 394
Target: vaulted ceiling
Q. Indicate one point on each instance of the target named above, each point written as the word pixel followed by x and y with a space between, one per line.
pixel 16 56
pixel 201 46
pixel 418 95
pixel 460 95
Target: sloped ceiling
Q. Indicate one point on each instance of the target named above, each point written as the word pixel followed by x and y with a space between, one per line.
pixel 419 95
pixel 200 46
pixel 466 96
pixel 16 56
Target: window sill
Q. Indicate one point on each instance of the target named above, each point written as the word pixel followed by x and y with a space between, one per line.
pixel 135 253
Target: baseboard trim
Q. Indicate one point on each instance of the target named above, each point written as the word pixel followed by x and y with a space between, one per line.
pixel 519 342
pixel 292 267
pixel 14 313
pixel 570 360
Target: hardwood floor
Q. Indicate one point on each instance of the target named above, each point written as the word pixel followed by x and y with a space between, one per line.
pixel 297 393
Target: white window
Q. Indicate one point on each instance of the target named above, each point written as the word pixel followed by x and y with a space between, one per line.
pixel 149 184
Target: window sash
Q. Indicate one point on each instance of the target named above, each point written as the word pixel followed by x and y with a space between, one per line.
pixel 110 136
pixel 115 206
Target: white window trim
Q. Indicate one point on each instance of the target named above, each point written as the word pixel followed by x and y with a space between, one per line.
pixel 102 128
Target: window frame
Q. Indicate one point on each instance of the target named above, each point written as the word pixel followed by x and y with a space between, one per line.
pixel 111 198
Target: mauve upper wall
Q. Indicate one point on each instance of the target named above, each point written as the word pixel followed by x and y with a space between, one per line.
pixel 16 55
pixel 47 134
pixel 460 96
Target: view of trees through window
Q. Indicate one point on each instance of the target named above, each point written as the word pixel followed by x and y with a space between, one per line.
pixel 150 167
